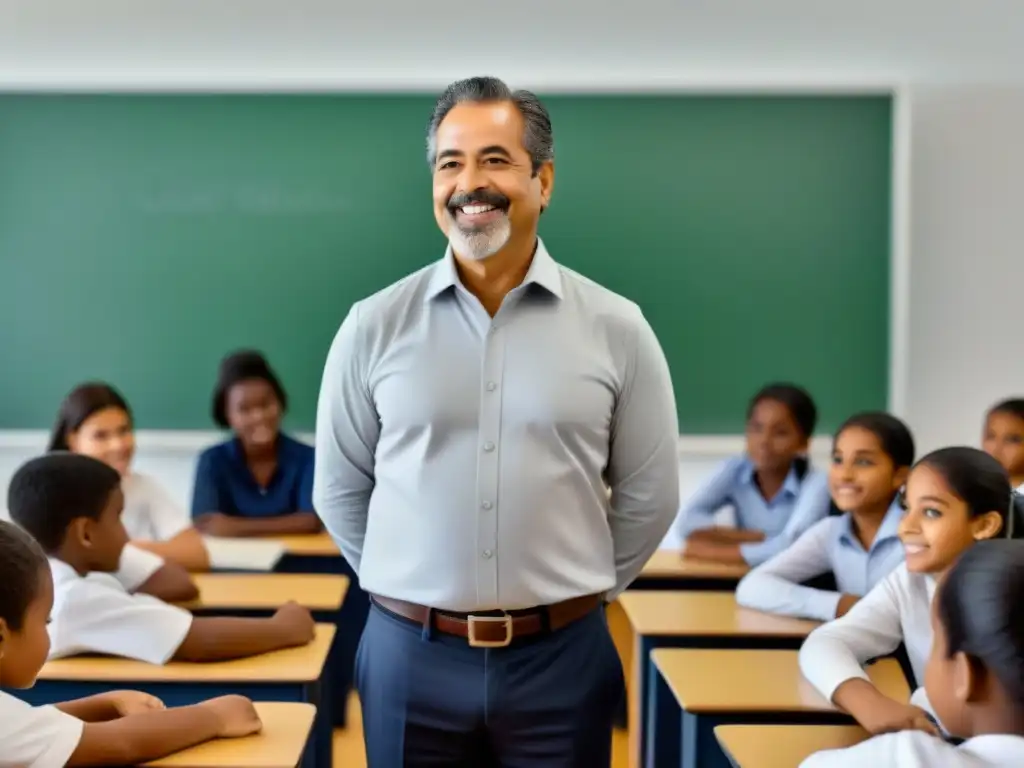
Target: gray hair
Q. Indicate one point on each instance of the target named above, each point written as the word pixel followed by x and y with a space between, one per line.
pixel 537 135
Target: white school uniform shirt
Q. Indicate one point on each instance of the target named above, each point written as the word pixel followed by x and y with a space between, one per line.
pixel 897 610
pixel 36 737
pixel 136 567
pixel 96 614
pixel 830 545
pixel 149 511
pixel 916 749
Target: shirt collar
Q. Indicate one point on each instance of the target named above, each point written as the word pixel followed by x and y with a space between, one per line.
pixel 790 486
pixel 543 272
pixel 887 530
pixel 61 571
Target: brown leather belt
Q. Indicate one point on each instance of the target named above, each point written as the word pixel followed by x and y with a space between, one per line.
pixel 494 631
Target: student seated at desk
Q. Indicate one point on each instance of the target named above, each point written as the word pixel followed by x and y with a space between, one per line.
pixel 871 457
pixel 775 494
pixel 1003 438
pixel 95 420
pixel 71 504
pixel 974 676
pixel 954 498
pixel 260 482
pixel 115 728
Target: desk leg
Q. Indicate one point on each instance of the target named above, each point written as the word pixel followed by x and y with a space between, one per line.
pixel 351 620
pixel 661 725
pixel 698 746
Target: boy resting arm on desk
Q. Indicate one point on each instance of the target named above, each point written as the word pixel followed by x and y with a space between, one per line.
pixel 71 504
pixel 116 728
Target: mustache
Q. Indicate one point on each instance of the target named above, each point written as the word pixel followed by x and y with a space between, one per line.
pixel 477 197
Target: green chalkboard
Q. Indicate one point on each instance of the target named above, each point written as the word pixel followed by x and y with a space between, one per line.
pixel 143 236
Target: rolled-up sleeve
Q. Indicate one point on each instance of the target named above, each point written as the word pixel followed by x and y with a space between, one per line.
pixel 644 459
pixel 811 507
pixel 836 652
pixel 347 431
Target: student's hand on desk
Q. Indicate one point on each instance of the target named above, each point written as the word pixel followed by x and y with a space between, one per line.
pixel 215 524
pixel 236 715
pixel 127 703
pixel 703 549
pixel 297 622
pixel 846 602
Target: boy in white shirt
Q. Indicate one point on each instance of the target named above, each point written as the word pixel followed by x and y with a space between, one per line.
pixel 71 504
pixel 120 727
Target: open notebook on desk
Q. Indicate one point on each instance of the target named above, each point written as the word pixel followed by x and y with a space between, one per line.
pixel 243 554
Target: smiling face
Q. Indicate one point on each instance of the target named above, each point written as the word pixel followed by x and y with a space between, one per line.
pixel 486 193
pixel 937 525
pixel 862 475
pixel 253 412
pixel 106 435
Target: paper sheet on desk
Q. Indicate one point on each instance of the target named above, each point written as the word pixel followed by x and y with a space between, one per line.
pixel 243 554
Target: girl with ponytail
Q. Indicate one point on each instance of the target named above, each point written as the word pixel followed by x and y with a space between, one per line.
pixel 974 674
pixel 954 498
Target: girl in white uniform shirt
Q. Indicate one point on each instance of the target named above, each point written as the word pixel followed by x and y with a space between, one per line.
pixel 114 728
pixel 974 673
pixel 871 459
pixel 95 420
pixel 954 498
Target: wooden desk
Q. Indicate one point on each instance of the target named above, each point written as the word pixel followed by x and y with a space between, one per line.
pixel 783 746
pixel 693 620
pixel 266 592
pixel 310 545
pixel 280 744
pixel 289 675
pixel 668 569
pixel 694 691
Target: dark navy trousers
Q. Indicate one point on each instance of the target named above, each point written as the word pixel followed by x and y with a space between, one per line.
pixel 429 699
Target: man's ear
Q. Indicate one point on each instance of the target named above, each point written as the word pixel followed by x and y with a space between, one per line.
pixel 546 175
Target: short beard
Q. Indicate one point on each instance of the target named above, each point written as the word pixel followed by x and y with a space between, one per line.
pixel 480 244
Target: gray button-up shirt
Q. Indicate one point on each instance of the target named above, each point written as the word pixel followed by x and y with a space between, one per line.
pixel 464 462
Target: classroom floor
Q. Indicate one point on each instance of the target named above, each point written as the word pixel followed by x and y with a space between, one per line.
pixel 349 753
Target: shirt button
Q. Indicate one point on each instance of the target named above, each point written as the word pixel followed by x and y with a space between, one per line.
pixel 491 386
pixel 487 505
pixel 488 446
pixel 488 553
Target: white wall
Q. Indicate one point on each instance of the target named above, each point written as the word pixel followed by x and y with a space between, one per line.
pixel 967 258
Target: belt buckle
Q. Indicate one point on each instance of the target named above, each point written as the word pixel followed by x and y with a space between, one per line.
pixel 475 621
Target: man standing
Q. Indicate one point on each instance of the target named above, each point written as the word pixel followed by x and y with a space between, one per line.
pixel 472 418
